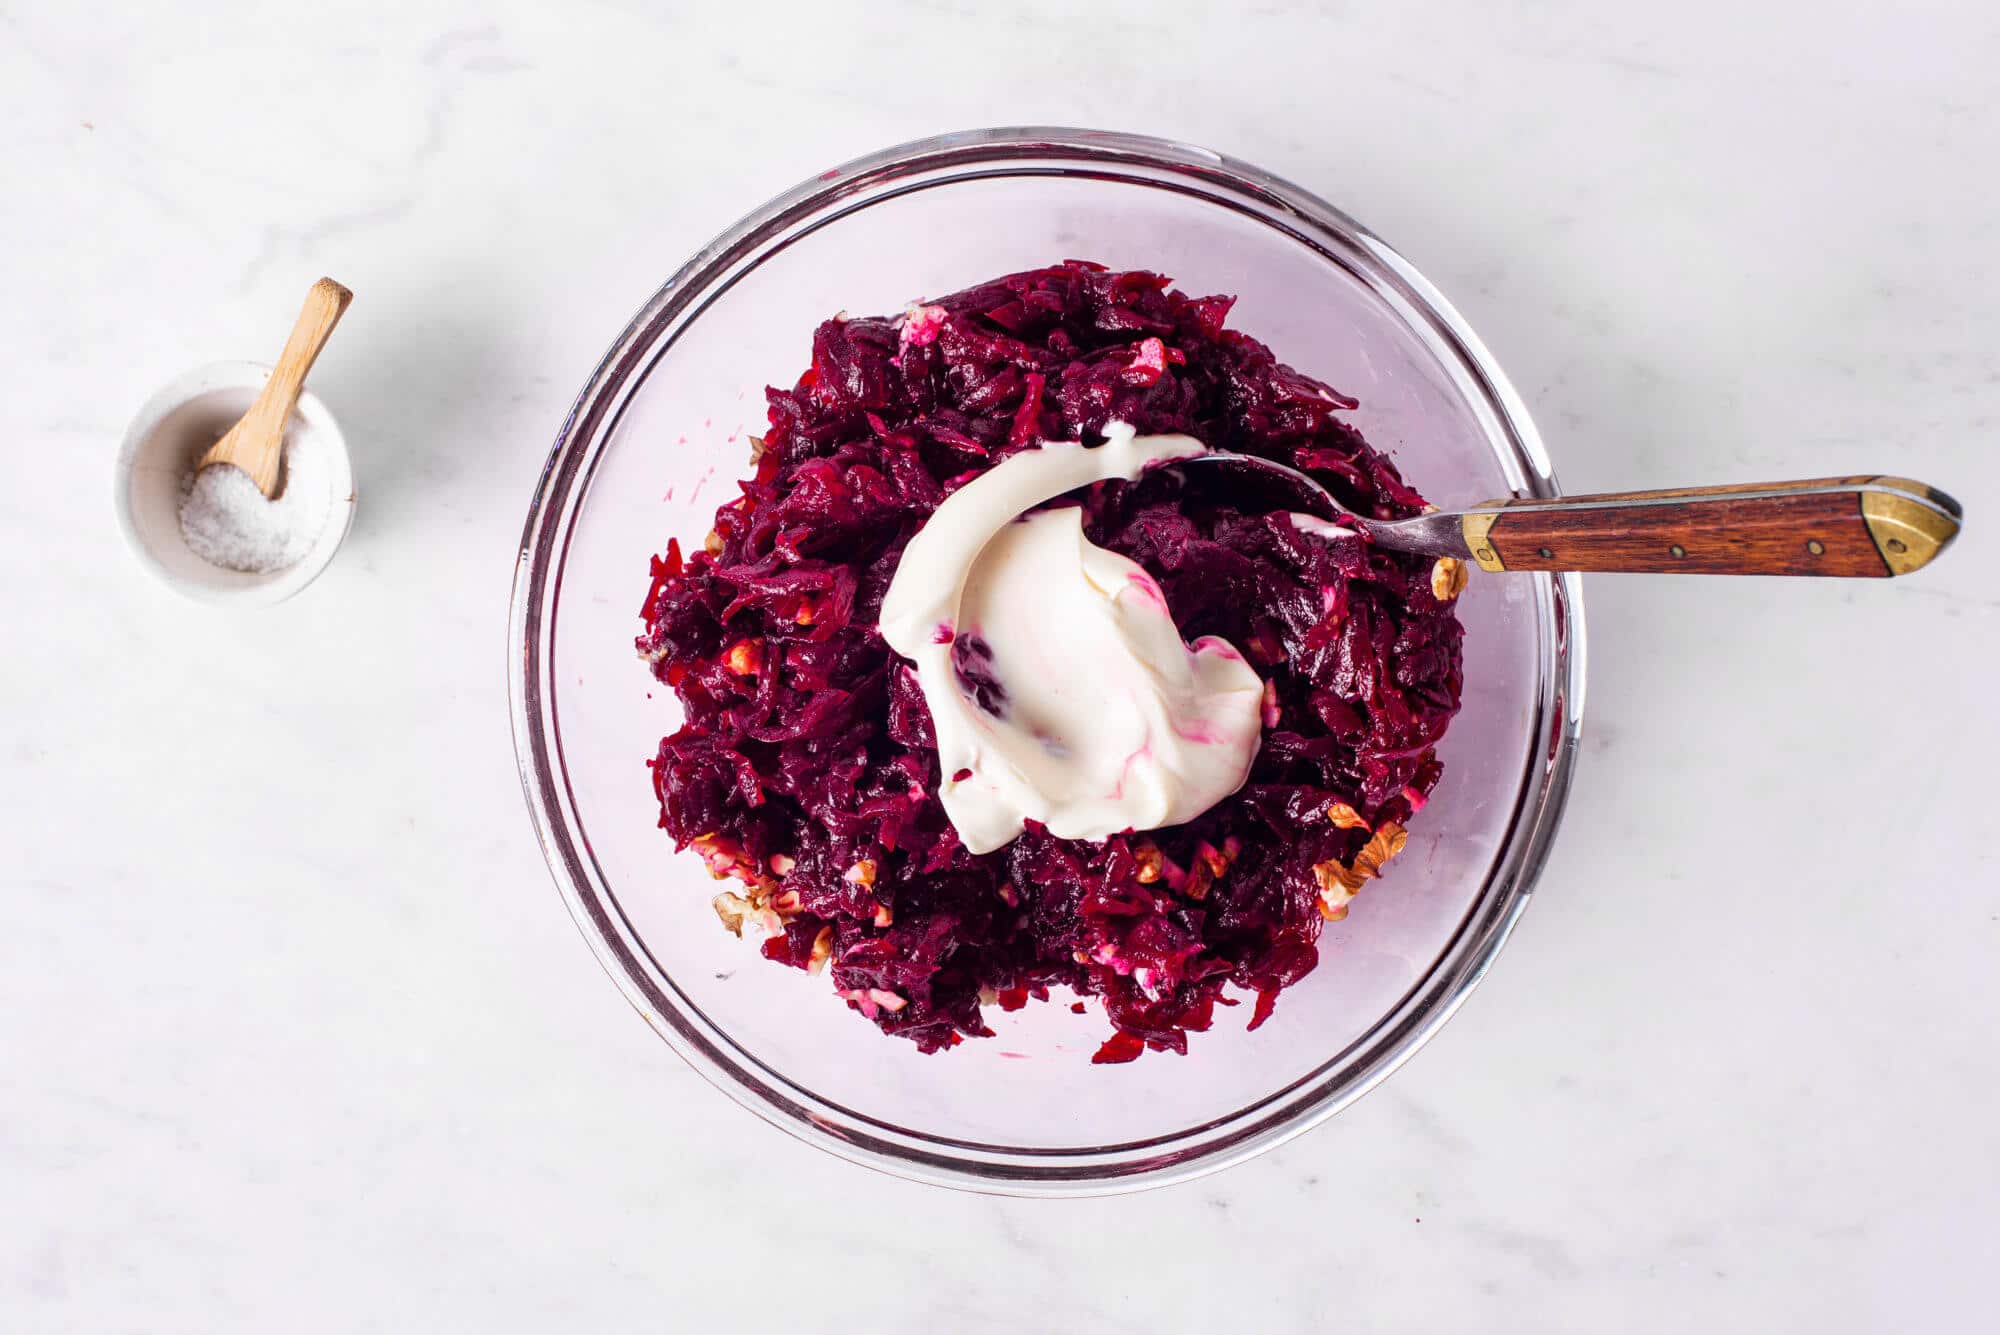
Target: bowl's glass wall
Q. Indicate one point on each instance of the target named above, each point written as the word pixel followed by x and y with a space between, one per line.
pixel 672 453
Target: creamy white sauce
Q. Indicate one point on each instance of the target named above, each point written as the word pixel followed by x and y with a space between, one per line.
pixel 1108 721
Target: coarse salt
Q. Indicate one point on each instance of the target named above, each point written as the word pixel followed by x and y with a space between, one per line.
pixel 227 522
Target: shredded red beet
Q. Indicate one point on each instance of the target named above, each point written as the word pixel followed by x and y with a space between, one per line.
pixel 807 770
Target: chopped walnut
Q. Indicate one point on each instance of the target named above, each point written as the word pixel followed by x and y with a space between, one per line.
pixel 1200 876
pixel 920 327
pixel 1448 578
pixel 868 1000
pixel 1262 646
pixel 1150 360
pixel 822 950
pixel 712 544
pixel 1336 877
pixel 781 864
pixel 1386 843
pixel 1334 894
pixel 1344 817
pixel 756 448
pixel 725 860
pixel 884 915
pixel 1340 882
pixel 733 909
pixel 745 658
pixel 739 914
pixel 787 903
pixel 1205 869
pixel 722 856
pixel 861 873
pixel 1152 863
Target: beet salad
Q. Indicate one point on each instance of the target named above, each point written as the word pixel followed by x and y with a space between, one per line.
pixel 1182 735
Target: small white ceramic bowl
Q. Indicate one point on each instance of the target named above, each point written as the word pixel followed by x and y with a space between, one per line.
pixel 179 422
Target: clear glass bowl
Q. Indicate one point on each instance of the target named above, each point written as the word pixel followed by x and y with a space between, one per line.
pixel 653 444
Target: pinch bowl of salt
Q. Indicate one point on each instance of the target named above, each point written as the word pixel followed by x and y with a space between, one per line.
pixel 213 536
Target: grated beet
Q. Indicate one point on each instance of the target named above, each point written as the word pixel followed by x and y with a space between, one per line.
pixel 807 768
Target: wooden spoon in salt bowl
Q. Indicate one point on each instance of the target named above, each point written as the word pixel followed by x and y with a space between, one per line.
pixel 256 443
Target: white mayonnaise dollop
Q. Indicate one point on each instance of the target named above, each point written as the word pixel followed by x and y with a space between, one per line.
pixel 1104 720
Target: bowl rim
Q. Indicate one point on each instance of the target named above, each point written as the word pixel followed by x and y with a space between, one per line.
pixel 564 481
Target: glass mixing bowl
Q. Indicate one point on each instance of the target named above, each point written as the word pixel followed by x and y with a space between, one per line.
pixel 655 442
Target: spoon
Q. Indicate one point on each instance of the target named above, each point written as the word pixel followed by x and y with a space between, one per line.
pixel 1850 526
pixel 256 443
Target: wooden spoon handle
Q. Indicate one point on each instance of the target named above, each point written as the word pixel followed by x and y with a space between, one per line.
pixel 325 303
pixel 1851 526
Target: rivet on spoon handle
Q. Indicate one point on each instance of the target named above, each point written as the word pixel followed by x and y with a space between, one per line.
pixel 256 443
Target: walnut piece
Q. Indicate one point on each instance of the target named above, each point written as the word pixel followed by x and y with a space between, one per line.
pixel 739 914
pixel 1339 882
pixel 1386 843
pixel 733 909
pixel 1448 578
pixel 1151 862
pixel 869 1000
pixel 724 859
pixel 1197 881
pixel 1344 817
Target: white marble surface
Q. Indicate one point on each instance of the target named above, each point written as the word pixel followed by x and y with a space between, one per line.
pixel 294 1032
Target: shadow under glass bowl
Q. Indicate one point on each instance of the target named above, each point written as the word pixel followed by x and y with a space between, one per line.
pixel 658 437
